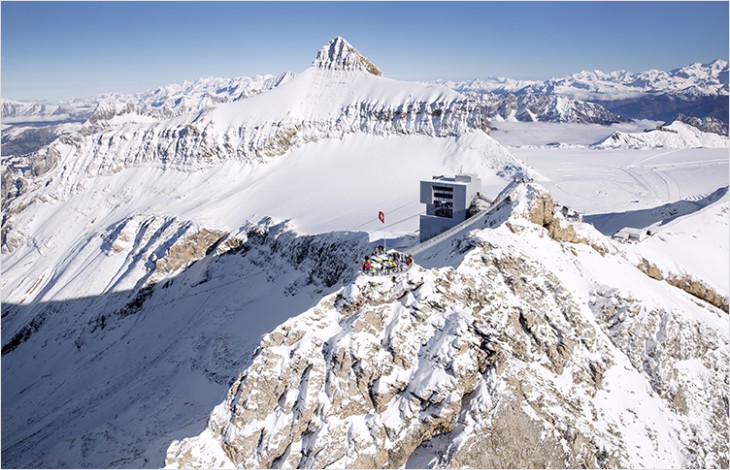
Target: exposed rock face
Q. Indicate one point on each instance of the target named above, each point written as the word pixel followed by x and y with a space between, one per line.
pixel 688 284
pixel 170 310
pixel 338 54
pixel 663 345
pixel 541 212
pixel 700 290
pixel 501 362
pixel 107 110
pixel 328 104
pixel 542 108
pixel 706 124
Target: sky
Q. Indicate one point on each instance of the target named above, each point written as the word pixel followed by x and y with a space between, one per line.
pixel 63 50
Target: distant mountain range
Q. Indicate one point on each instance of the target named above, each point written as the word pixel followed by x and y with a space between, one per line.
pixel 683 132
pixel 693 80
pixel 698 90
pixel 596 97
pixel 697 83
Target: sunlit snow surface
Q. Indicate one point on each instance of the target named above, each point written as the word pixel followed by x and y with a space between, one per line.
pixel 613 180
pixel 157 393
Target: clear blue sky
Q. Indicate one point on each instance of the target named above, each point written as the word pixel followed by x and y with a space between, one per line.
pixel 59 50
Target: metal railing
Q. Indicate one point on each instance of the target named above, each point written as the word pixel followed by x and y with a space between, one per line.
pixel 431 242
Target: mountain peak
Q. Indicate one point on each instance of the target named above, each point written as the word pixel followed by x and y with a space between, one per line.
pixel 339 54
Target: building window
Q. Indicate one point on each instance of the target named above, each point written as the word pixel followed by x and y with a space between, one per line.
pixel 444 209
pixel 442 192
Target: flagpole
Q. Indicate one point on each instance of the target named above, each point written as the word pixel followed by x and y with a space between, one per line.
pixel 381 217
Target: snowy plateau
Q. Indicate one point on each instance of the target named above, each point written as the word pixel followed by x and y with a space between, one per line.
pixel 181 281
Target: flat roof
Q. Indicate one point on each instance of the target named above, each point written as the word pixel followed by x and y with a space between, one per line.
pixel 448 180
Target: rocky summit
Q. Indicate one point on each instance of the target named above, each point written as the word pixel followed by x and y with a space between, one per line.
pixel 528 352
pixel 338 54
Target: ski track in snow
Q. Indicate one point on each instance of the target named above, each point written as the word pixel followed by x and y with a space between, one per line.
pixel 620 180
pixel 653 157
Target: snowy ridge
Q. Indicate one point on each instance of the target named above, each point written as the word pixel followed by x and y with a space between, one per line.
pixel 172 339
pixel 557 100
pixel 22 111
pixel 706 124
pixel 156 257
pixel 28 126
pixel 693 80
pixel 192 97
pixel 166 101
pixel 676 135
pixel 315 105
pixel 526 339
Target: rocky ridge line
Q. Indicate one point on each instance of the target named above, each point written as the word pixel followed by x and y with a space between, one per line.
pixel 463 367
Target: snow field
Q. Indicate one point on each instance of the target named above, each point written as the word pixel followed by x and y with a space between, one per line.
pixel 337 185
pixel 615 181
pixel 118 373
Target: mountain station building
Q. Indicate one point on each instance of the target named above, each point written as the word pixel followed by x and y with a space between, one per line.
pixel 447 200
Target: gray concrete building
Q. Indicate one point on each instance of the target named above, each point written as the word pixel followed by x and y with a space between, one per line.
pixel 447 200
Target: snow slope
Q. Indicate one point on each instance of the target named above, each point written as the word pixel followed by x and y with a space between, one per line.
pixel 675 135
pixel 695 246
pixel 133 288
pixel 617 181
pixel 109 378
pixel 528 351
pixel 297 187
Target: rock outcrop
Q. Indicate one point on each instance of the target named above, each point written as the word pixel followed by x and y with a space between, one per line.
pixel 502 361
pixel 338 54
pixel 687 283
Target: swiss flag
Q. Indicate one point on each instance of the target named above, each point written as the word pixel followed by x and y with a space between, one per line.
pixel 381 216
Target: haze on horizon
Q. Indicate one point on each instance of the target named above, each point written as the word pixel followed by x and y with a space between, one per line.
pixel 63 50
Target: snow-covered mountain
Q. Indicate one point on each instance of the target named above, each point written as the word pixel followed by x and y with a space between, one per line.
pixel 187 98
pixel 153 260
pixel 584 97
pixel 540 346
pixel 143 258
pixel 166 101
pixel 542 108
pixel 699 90
pixel 331 99
pixel 675 135
pixel 694 79
pixel 28 126
pixel 21 111
pixel 707 124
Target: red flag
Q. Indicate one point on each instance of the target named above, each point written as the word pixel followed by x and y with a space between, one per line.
pixel 381 216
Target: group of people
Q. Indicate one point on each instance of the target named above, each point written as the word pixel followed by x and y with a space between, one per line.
pixel 381 262
pixel 523 179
